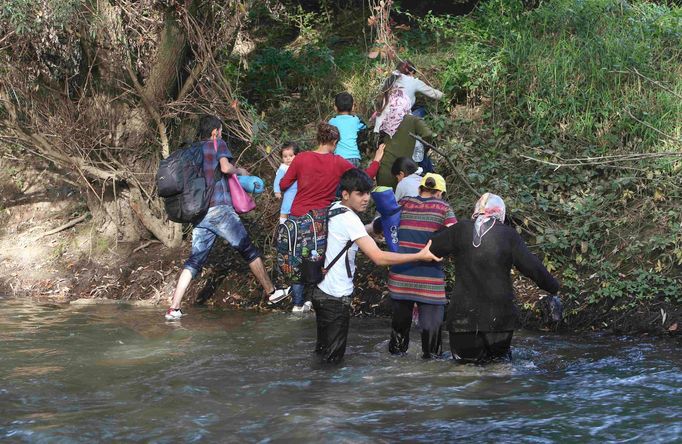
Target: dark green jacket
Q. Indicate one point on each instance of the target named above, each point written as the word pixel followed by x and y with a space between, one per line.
pixel 400 145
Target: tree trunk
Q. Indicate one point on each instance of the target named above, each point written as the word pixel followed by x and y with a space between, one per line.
pixel 110 122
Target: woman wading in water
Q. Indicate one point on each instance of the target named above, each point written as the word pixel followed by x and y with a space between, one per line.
pixel 482 314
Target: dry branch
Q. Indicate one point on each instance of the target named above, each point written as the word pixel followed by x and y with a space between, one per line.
pixel 678 141
pixel 450 162
pixel 145 245
pixel 602 160
pixel 67 225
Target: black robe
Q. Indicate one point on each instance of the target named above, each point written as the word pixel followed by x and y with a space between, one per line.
pixel 483 297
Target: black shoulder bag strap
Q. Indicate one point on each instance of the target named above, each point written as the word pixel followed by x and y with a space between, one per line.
pixel 338 256
pixel 343 250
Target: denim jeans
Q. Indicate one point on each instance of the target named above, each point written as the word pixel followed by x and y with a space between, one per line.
pixel 298 296
pixel 220 221
pixel 419 111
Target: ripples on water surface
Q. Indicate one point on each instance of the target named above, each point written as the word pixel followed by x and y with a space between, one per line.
pixel 118 373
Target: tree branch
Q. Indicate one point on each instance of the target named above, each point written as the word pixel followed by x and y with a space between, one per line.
pixel 602 160
pixel 151 109
pixel 667 136
pixel 451 163
pixel 67 225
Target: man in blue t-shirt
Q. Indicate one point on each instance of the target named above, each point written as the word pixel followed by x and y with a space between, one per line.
pixel 349 126
pixel 220 220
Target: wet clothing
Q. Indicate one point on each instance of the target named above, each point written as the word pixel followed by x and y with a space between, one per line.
pixel 332 315
pixel 483 296
pixel 332 297
pixel 213 152
pixel 420 281
pixel 318 177
pixel 349 126
pixel 430 321
pixel 400 145
pixel 481 346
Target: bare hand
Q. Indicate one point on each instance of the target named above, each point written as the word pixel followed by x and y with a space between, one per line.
pixel 426 255
pixel 278 195
pixel 242 172
pixel 379 154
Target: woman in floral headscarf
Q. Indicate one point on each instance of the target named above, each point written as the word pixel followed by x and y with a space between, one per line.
pixel 482 314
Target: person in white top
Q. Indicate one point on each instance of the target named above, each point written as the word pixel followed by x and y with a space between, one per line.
pixel 409 178
pixel 345 235
pixel 403 78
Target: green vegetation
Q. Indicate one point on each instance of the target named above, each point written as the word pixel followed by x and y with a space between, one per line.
pixel 566 80
pixel 571 110
pixel 28 17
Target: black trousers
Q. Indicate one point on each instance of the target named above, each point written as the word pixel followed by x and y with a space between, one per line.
pixel 430 321
pixel 333 317
pixel 481 346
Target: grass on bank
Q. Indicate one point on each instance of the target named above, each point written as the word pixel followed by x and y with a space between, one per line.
pixel 568 79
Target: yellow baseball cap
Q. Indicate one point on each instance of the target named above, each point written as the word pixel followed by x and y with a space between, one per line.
pixel 439 181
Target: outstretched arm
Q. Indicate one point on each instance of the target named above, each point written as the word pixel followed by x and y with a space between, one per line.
pixel 380 257
pixel 530 266
pixel 373 168
pixel 428 91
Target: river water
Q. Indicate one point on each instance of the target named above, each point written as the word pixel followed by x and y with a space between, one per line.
pixel 120 373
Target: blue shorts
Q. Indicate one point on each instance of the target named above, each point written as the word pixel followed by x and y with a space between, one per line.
pixel 220 221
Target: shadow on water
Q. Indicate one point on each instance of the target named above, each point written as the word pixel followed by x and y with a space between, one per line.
pixel 102 373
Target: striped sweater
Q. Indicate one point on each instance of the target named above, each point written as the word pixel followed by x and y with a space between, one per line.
pixel 420 281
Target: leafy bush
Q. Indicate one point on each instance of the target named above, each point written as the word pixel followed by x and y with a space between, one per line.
pixel 572 79
pixel 567 79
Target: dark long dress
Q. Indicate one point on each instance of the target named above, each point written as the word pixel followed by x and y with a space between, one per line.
pixel 483 298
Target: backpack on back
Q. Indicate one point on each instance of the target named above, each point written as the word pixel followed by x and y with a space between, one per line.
pixel 305 233
pixel 181 183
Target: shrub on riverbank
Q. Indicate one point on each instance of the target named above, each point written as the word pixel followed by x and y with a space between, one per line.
pixel 597 83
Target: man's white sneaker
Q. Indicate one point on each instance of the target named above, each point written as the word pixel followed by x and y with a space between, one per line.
pixel 173 314
pixel 305 308
pixel 278 294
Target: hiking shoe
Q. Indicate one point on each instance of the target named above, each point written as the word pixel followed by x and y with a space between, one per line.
pixel 297 309
pixel 174 314
pixel 308 306
pixel 278 294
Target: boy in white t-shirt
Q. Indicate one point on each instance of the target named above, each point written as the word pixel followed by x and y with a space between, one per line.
pixel 332 297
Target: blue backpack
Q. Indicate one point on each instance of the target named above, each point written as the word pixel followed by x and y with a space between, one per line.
pixel 181 183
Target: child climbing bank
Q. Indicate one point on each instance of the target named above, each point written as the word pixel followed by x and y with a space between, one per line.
pixel 288 152
pixel 349 126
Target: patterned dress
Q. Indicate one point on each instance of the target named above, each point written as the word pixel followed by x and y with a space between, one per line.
pixel 420 281
pixel 398 107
